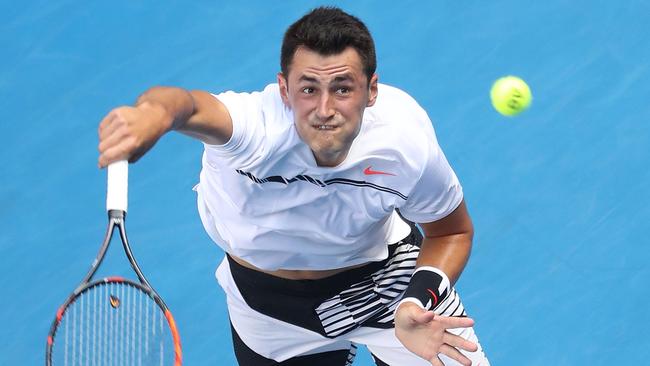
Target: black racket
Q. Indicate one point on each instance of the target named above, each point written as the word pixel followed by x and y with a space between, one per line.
pixel 114 320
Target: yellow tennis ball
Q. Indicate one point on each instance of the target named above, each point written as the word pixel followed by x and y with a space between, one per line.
pixel 510 95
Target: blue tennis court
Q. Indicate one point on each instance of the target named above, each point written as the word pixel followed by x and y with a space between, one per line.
pixel 559 271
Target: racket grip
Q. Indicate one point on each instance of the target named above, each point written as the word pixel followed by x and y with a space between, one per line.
pixel 117 186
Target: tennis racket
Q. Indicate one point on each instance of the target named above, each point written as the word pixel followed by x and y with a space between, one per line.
pixel 114 320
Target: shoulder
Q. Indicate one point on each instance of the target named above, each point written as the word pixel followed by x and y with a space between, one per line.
pixel 393 94
pixel 267 97
pixel 263 107
pixel 396 99
pixel 400 110
pixel 397 129
pixel 398 115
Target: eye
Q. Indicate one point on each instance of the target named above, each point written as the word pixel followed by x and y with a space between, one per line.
pixel 343 90
pixel 308 90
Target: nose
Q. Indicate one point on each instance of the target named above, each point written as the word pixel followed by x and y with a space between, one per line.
pixel 325 109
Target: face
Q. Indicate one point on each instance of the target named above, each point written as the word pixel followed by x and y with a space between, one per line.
pixel 328 95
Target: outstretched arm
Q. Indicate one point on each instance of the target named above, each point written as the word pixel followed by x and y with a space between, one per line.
pixel 128 132
pixel 446 246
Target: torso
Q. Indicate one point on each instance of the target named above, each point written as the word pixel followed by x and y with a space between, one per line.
pixel 263 198
pixel 292 274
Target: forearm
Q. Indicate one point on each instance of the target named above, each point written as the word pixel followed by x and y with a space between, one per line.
pixel 448 253
pixel 443 254
pixel 447 243
pixel 176 104
pixel 446 247
pixel 194 113
pixel 129 132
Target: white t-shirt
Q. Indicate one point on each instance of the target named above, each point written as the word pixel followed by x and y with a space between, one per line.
pixel 262 197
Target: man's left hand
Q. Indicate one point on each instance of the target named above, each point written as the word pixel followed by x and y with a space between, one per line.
pixel 426 334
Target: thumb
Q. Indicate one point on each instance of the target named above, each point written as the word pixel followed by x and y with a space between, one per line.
pixel 422 316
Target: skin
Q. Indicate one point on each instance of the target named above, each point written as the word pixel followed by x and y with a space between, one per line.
pixel 328 95
pixel 446 245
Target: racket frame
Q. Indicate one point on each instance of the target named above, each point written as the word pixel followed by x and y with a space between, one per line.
pixel 116 220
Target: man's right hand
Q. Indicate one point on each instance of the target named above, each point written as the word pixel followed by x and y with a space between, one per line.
pixel 127 133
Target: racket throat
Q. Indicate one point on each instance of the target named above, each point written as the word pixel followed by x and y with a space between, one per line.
pixel 116 215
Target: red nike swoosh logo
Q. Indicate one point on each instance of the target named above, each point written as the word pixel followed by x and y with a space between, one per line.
pixel 369 171
pixel 435 298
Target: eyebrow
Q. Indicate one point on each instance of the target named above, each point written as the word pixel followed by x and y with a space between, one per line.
pixel 344 77
pixel 308 79
pixel 337 79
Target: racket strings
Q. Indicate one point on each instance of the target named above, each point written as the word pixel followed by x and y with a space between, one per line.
pixel 113 323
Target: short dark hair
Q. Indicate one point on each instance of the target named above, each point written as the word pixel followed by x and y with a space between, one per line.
pixel 329 31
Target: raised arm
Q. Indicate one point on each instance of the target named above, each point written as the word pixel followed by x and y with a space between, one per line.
pixel 128 132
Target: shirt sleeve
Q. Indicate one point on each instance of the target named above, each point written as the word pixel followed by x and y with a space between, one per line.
pixel 247 117
pixel 437 192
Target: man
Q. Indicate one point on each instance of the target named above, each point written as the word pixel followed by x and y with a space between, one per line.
pixel 311 187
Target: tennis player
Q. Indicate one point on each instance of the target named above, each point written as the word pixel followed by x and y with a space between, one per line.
pixel 312 187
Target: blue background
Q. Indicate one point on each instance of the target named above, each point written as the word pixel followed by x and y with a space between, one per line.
pixel 559 270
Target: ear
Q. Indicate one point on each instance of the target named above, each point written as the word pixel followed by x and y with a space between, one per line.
pixel 284 89
pixel 372 90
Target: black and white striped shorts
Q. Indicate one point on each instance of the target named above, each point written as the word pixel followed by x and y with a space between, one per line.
pixel 333 306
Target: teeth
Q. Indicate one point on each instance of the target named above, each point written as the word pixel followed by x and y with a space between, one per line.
pixel 323 127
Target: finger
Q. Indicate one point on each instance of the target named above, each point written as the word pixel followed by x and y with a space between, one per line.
pixel 435 361
pixel 111 155
pixel 459 342
pixel 118 151
pixel 105 121
pixel 113 121
pixel 455 321
pixel 414 313
pixel 112 135
pixel 106 126
pixel 424 316
pixel 455 354
pixel 112 147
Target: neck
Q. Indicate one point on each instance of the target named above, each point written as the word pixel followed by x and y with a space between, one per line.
pixel 330 160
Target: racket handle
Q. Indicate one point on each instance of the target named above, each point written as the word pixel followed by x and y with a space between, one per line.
pixel 117 186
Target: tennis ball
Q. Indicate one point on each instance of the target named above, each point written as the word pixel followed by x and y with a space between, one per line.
pixel 510 95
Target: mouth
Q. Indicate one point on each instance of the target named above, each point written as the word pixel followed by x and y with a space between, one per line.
pixel 324 127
